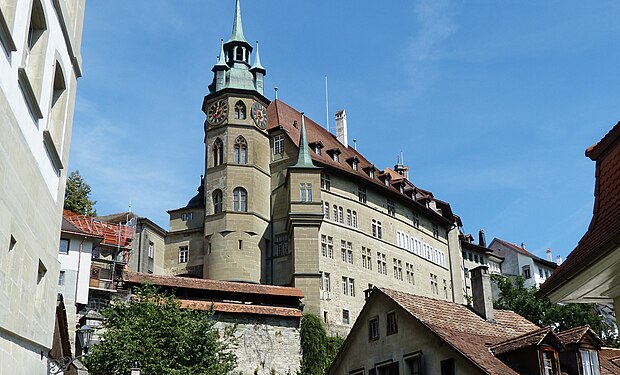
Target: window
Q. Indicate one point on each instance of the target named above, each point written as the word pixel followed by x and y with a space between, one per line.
pixel 354 165
pixel 345 286
pixel 278 144
pixel 435 231
pixel 305 192
pixel 361 194
pixel 373 328
pixel 447 366
pixel 241 151
pixel 281 244
pixel 589 362
pixel 61 278
pixel 391 326
pixel 398 268
pixel 526 272
pixel 381 263
pixel 445 289
pixel 351 287
pixel 217 201
pixel 325 181
pixel 345 316
pixel 354 219
pixel 240 200
pixel 340 215
pixel 327 247
pixel 325 284
pixel 218 152
pixel 41 271
pixel 64 246
pixel 366 258
pixel 349 218
pixel 410 274
pixel 12 243
pixel 475 258
pixel 549 362
pixel 326 210
pixel 349 252
pixel 546 272
pixel 371 173
pixel 335 213
pixel 317 149
pixel 187 216
pixel 336 156
pixel 151 250
pixel 240 111
pixel 413 365
pixel 391 208
pixel 434 285
pixel 183 254
pixel 540 272
pixel 343 250
pixel 376 229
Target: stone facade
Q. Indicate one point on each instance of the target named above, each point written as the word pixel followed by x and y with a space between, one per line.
pixel 263 345
pixel 38 78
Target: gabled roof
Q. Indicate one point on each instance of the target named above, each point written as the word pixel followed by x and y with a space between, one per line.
pixel 604 229
pixel 576 335
pixel 533 338
pixel 282 116
pixel 463 329
pixel 521 250
pixel 609 359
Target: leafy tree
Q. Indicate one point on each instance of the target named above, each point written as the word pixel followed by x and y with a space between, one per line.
pixel 77 195
pixel 513 295
pixel 153 330
pixel 317 348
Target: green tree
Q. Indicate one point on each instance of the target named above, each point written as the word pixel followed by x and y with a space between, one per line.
pixel 153 330
pixel 77 195
pixel 318 349
pixel 513 295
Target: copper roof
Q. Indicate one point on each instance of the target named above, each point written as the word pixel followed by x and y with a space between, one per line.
pixel 609 359
pixel 604 229
pixel 213 285
pixel 238 308
pixel 282 116
pixel 463 329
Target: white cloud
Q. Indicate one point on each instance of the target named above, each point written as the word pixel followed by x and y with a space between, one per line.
pixel 435 24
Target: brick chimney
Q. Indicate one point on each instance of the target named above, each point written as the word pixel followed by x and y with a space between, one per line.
pixel 341 127
pixel 549 256
pixel 482 241
pixel 482 294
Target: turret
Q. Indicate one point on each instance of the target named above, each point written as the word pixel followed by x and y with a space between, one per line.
pixel 258 72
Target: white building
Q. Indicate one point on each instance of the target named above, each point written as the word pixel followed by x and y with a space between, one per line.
pixel 39 66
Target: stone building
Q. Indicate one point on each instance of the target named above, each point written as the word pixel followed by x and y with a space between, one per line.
pixel 285 202
pixel 266 319
pixel 39 67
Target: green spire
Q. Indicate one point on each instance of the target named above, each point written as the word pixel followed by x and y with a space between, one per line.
pixel 304 160
pixel 237 31
pixel 221 60
pixel 257 64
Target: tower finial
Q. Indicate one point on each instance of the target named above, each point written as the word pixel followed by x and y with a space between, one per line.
pixel 221 60
pixel 304 160
pixel 237 31
pixel 257 64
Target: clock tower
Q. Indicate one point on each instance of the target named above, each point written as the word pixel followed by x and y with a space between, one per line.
pixel 237 180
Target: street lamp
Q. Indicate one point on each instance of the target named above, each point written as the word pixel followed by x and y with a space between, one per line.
pixel 84 336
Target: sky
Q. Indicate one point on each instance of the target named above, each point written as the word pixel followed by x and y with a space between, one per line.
pixel 492 103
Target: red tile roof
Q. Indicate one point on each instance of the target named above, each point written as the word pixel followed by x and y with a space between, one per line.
pixel 213 285
pixel 533 338
pixel 238 308
pixel 575 335
pixel 283 116
pixel 604 231
pixel 113 234
pixel 464 330
pixel 609 359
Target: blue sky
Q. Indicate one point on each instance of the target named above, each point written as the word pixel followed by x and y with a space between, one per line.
pixel 492 102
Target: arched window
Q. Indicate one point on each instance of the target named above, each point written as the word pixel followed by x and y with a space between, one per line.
pixel 241 151
pixel 217 201
pixel 240 112
pixel 218 152
pixel 240 200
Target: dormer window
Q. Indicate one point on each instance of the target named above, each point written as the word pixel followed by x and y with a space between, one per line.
pixel 335 154
pixel 336 157
pixel 371 173
pixel 317 150
pixel 354 162
pixel 354 165
pixel 316 147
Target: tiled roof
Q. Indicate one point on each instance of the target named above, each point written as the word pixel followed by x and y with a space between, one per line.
pixel 521 250
pixel 533 338
pixel 575 335
pixel 609 359
pixel 113 234
pixel 463 329
pixel 283 116
pixel 238 308
pixel 604 228
pixel 214 285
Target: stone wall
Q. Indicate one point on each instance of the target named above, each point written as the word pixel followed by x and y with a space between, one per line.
pixel 263 345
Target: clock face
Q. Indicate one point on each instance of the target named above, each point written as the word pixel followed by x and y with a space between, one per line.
pixel 259 115
pixel 217 112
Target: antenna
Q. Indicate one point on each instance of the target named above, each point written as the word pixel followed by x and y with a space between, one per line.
pixel 276 90
pixel 326 105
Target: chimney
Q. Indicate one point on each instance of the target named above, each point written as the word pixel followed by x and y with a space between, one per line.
pixel 558 260
pixel 522 245
pixel 549 256
pixel 341 127
pixel 482 241
pixel 481 292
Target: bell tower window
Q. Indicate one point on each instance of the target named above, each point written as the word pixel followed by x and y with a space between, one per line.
pixel 241 150
pixel 218 152
pixel 240 111
pixel 239 53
